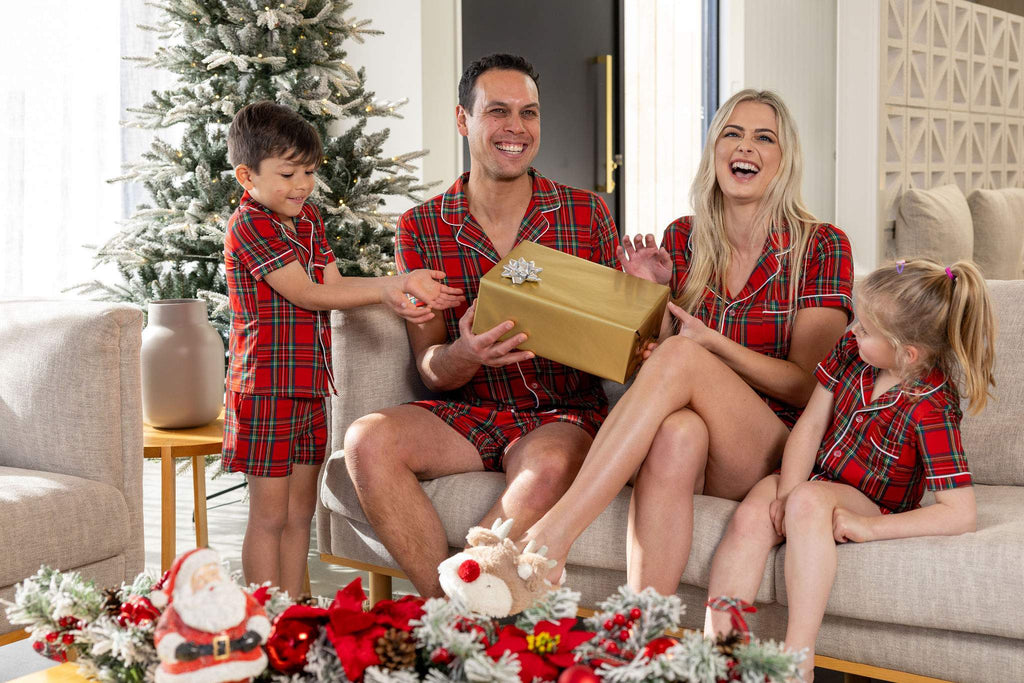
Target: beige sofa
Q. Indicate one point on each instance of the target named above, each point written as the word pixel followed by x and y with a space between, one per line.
pixel 70 441
pixel 940 607
pixel 941 223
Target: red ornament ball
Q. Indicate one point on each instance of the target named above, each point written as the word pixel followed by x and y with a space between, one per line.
pixel 635 613
pixel 623 635
pixel 658 646
pixel 612 647
pixel 578 673
pixel 67 639
pixel 51 637
pixel 441 656
pixel 38 646
pixel 620 620
pixel 608 624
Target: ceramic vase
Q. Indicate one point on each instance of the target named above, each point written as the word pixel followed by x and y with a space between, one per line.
pixel 182 365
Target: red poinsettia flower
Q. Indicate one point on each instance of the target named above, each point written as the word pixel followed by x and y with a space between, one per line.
pixel 293 631
pixel 261 595
pixel 354 632
pixel 543 653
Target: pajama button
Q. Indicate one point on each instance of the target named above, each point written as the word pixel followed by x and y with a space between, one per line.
pixel 859 419
pixel 534 385
pixel 835 453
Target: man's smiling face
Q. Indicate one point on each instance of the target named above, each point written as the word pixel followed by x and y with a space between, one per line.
pixel 503 128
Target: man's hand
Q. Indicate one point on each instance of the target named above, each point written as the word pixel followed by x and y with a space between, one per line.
pixel 847 526
pixel 644 259
pixel 777 512
pixel 485 348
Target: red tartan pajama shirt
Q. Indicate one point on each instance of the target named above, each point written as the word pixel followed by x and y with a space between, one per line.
pixel 760 316
pixel 892 448
pixel 442 234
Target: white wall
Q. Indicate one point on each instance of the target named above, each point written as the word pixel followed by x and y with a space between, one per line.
pixel 789 46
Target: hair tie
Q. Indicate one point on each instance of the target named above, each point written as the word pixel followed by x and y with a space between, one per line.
pixel 900 265
pixel 950 274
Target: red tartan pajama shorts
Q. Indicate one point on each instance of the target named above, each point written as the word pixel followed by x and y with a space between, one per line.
pixel 265 435
pixel 493 432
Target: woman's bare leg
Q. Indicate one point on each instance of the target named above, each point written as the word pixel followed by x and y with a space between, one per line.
pixel 745 437
pixel 660 527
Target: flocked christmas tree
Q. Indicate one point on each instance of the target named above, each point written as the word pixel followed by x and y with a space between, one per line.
pixel 226 54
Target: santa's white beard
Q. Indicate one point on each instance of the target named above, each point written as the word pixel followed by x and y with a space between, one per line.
pixel 213 609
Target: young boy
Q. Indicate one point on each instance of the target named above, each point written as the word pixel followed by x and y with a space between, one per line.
pixel 282 283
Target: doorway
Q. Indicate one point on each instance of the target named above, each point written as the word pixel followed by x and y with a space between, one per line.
pixel 575 47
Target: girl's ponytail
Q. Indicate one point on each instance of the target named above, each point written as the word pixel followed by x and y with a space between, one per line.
pixel 971 330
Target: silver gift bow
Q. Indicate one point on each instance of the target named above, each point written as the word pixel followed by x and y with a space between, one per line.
pixel 520 270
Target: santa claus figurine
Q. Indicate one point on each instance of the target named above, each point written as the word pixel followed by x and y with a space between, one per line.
pixel 211 630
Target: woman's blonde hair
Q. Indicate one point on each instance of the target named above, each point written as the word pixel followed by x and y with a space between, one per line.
pixel 947 316
pixel 782 205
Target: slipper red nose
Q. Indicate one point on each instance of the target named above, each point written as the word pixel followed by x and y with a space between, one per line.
pixel 469 571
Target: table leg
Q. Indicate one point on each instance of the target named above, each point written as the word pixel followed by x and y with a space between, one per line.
pixel 199 498
pixel 380 588
pixel 167 508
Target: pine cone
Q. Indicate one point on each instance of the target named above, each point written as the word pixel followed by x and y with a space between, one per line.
pixel 396 649
pixel 727 642
pixel 112 601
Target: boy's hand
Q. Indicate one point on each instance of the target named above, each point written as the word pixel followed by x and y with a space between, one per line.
pixel 398 301
pixel 425 285
pixel 645 260
pixel 847 526
pixel 777 512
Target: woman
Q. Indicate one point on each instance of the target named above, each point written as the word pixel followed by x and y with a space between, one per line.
pixel 764 294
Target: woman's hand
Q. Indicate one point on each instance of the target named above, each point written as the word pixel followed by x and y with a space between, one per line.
pixel 692 327
pixel 641 257
pixel 847 526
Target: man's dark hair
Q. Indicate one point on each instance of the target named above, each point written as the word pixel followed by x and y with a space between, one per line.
pixel 266 129
pixel 467 85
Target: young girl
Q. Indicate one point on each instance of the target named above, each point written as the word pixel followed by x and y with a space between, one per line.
pixel 883 425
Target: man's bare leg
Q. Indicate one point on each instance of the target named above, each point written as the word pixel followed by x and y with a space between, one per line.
pixel 387 454
pixel 539 468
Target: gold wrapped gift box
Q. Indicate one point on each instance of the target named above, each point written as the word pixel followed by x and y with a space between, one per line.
pixel 580 313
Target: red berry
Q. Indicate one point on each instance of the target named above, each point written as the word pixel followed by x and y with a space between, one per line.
pixel 620 620
pixel 608 625
pixel 623 635
pixel 38 646
pixel 441 656
pixel 635 613
pixel 611 647
pixel 629 623
pixel 51 636
pixel 67 639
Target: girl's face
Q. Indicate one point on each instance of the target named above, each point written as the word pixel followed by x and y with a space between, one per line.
pixel 747 153
pixel 875 349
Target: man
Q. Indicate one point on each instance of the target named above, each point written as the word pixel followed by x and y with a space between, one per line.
pixel 501 409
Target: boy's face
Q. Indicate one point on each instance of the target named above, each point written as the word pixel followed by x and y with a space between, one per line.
pixel 281 185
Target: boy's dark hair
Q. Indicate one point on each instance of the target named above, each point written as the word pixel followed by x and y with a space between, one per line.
pixel 467 84
pixel 266 129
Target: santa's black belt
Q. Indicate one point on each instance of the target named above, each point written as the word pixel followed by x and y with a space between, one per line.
pixel 220 648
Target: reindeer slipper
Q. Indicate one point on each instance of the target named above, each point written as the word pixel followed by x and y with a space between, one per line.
pixel 492 576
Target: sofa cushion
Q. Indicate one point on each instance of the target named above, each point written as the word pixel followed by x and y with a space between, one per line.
pixel 934 224
pixel 998 217
pixel 57 519
pixel 994 439
pixel 958 583
pixel 461 500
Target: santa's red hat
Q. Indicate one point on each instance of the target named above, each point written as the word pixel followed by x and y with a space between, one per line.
pixel 180 574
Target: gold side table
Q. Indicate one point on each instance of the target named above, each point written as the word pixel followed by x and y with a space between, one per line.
pixel 168 444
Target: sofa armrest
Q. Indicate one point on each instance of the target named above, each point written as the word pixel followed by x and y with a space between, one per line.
pixel 70 396
pixel 374 366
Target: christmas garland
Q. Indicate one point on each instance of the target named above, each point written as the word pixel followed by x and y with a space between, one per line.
pixel 110 636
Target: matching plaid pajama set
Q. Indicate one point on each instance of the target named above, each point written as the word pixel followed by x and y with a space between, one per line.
pixel 760 315
pixel 893 448
pixel 280 354
pixel 500 405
